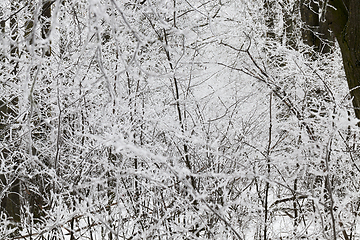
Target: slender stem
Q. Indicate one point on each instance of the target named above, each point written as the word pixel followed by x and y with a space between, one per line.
pixel 267 185
pixel 180 116
pixel 329 188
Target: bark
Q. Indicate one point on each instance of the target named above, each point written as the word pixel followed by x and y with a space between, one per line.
pixel 2 30
pixel 46 24
pixel 289 33
pixel 11 201
pixel 270 16
pixel 9 183
pixel 316 31
pixel 14 50
pixel 310 17
pixel 344 21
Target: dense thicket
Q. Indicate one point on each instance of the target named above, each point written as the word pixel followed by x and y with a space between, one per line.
pixel 175 120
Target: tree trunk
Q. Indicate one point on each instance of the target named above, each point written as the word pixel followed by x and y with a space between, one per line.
pixel 46 24
pixel 344 21
pixel 316 32
pixel 9 183
pixel 310 17
pixel 343 18
pixel 270 16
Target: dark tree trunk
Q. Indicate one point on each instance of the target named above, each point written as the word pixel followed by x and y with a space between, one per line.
pixel 309 16
pixel 46 24
pixel 316 31
pixel 14 50
pixel 270 16
pixel 344 21
pixel 9 183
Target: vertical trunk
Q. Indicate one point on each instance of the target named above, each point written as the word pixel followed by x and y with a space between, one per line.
pixel 14 50
pixel 350 48
pixel 309 16
pixel 9 183
pixel 344 20
pixel 289 34
pixel 11 201
pixel 325 40
pixel 316 32
pixel 46 23
pixel 270 18
pixel 2 30
pixel 29 25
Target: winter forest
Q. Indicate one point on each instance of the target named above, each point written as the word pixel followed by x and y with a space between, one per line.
pixel 179 119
